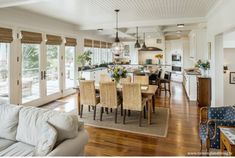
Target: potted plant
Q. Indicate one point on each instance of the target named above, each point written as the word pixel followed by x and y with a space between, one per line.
pixel 82 60
pixel 117 72
pixel 204 66
pixel 159 57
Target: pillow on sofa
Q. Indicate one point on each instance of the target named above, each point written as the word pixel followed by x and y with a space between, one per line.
pixel 9 117
pixel 47 140
pixel 32 119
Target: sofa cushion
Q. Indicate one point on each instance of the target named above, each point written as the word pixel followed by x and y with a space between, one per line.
pixel 47 140
pixel 9 116
pixel 5 143
pixel 18 149
pixel 32 119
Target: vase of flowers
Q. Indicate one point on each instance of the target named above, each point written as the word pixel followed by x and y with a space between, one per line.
pixel 117 72
pixel 204 66
pixel 159 57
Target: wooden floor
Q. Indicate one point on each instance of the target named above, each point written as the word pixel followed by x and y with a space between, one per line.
pixel 182 135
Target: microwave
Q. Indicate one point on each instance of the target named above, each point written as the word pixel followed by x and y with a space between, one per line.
pixel 176 57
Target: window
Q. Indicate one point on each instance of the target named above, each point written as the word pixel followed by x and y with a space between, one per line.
pixel 69 66
pixel 4 72
pixel 30 72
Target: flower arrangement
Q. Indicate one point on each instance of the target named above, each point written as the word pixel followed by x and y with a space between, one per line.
pixel 203 65
pixel 117 72
pixel 159 56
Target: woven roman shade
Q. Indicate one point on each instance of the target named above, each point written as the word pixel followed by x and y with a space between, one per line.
pixel 70 42
pixel 96 44
pixel 53 40
pixel 88 43
pixel 31 37
pixel 6 35
pixel 103 45
pixel 109 45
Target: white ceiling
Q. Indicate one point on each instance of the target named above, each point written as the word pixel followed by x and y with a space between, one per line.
pixel 154 17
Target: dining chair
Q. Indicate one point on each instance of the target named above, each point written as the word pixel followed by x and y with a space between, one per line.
pixel 125 80
pixel 143 80
pixel 132 100
pixel 109 98
pixel 105 77
pixel 88 95
pixel 166 81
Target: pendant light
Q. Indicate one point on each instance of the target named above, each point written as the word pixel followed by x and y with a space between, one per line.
pixel 144 45
pixel 137 44
pixel 117 46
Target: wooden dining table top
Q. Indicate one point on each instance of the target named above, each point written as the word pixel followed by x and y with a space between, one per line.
pixel 148 89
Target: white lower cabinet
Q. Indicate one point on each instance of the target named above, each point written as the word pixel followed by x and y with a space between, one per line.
pixel 190 85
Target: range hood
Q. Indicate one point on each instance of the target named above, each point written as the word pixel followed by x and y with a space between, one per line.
pixel 150 49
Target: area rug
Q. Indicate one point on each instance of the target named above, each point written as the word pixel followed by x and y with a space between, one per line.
pixel 158 128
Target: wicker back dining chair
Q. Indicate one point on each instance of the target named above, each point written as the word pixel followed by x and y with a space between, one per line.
pixel 105 77
pixel 143 80
pixel 109 98
pixel 132 100
pixel 88 95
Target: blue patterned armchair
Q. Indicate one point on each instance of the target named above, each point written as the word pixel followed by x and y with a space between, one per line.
pixel 211 118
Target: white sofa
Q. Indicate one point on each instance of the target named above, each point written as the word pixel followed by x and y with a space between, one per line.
pixel 30 131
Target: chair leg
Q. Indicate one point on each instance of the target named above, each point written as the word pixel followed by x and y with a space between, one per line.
pixel 81 111
pixel 140 118
pixel 107 110
pixel 160 89
pixel 121 110
pixel 116 111
pixel 169 86
pixel 101 113
pixel 129 113
pixel 124 117
pixel 144 112
pixel 208 145
pixel 89 108
pixel 111 110
pixel 165 89
pixel 94 112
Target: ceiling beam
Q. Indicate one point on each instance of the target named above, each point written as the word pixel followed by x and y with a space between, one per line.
pixel 13 3
pixel 145 23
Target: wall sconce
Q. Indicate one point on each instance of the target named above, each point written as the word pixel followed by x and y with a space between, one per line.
pixel 225 69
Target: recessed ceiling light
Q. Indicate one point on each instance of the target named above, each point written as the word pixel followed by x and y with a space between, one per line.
pixel 100 30
pixel 180 25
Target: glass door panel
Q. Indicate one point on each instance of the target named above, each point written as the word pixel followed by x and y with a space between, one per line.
pixel 52 69
pixel 30 72
pixel 69 66
pixel 4 72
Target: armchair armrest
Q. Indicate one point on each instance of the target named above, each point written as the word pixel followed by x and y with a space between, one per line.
pixel 203 115
pixel 217 124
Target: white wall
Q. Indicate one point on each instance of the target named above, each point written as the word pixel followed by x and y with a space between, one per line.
pixel 220 20
pixel 229 89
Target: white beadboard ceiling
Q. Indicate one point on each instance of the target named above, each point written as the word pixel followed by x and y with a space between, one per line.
pixel 90 14
pixel 154 17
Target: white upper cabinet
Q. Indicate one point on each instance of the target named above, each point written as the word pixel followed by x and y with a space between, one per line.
pixel 198 44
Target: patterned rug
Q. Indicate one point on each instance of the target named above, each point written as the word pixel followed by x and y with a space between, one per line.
pixel 158 128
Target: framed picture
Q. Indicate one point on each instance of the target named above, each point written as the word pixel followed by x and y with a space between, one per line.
pixel 232 78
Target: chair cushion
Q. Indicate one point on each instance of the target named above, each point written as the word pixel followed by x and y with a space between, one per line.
pixel 230 113
pixel 47 141
pixel 32 119
pixel 9 117
pixel 18 149
pixel 5 143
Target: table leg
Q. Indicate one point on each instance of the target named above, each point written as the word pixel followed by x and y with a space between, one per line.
pixel 221 145
pixel 149 111
pixel 78 100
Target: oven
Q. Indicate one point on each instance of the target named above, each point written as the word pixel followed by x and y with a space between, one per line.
pixel 176 68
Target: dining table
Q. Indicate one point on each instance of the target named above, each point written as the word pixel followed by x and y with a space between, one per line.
pixel 148 91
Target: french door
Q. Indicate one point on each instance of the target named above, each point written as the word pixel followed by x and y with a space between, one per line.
pixel 40 73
